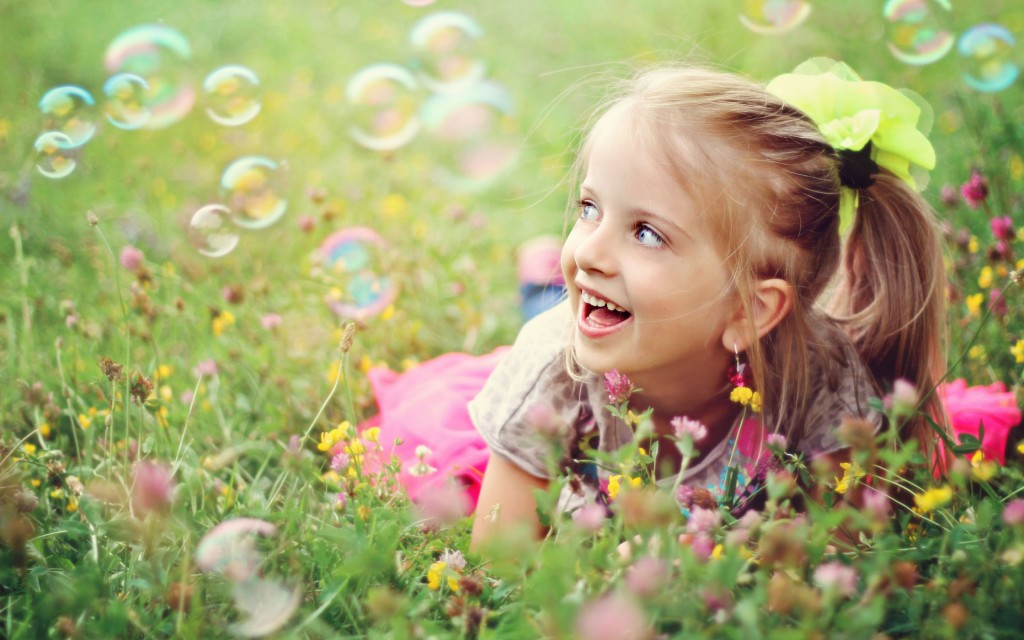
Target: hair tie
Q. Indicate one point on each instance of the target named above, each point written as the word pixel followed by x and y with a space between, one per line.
pixel 869 124
pixel 856 168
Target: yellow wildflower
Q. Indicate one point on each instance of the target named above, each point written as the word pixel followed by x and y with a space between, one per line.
pixel 222 321
pixel 716 553
pixel 29 448
pixel 84 420
pixel 163 372
pixel 933 498
pixel 741 395
pixel 372 434
pixel 434 575
pixel 330 438
pixel 1016 167
pixel 641 451
pixel 45 430
pixel 974 303
pixel 985 277
pixel 972 245
pixel 393 205
pixel 1020 447
pixel 982 469
pixel 977 353
pixel 755 402
pixel 355 448
pixel 614 484
pixel 851 474
pixel 35 482
pixel 388 313
pixel 1017 351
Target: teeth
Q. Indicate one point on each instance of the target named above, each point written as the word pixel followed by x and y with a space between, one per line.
pixel 594 301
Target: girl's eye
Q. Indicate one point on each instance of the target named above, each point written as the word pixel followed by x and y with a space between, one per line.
pixel 588 211
pixel 648 237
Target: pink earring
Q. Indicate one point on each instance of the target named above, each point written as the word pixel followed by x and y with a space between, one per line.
pixel 738 372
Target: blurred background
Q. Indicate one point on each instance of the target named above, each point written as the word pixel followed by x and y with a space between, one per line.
pixel 382 160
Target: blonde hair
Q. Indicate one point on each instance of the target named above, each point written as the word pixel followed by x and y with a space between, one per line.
pixel 768 184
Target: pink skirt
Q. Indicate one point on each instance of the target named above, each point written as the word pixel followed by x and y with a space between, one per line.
pixel 426 405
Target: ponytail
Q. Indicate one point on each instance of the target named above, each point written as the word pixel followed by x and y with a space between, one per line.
pixel 891 293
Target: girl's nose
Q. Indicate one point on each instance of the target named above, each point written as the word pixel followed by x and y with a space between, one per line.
pixel 594 251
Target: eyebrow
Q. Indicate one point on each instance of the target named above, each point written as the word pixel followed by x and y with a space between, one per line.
pixel 637 212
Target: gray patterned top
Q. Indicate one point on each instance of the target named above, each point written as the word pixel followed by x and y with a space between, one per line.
pixel 534 373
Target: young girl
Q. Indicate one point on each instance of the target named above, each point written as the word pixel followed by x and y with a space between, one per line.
pixel 725 235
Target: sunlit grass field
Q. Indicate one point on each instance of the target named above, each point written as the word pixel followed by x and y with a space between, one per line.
pixel 225 371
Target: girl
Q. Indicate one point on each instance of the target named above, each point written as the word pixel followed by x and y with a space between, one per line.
pixel 710 250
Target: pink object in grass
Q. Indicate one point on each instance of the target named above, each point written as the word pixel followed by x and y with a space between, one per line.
pixel 1002 227
pixel 131 258
pixel 539 262
pixel 991 405
pixel 975 190
pixel 618 387
pixel 613 617
pixel 153 488
pixel 271 321
pixel 837 576
pixel 1013 512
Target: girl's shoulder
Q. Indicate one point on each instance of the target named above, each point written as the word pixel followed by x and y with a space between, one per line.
pixel 531 383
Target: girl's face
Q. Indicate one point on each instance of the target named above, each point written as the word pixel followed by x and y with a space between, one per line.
pixel 646 284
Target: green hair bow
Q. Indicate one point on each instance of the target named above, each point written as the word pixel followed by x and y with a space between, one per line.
pixel 851 112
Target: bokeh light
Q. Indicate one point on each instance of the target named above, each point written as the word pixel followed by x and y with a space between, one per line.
pixel 445 44
pixel 228 548
pixel 53 154
pixel 125 105
pixel 69 109
pixel 987 52
pixel 774 17
pixel 211 231
pixel 418 3
pixel 353 261
pixel 474 133
pixel 384 107
pixel 252 190
pixel 160 55
pixel 232 95
pixel 915 31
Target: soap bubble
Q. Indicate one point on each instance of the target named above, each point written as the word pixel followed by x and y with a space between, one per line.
pixel 384 107
pixel 772 17
pixel 474 134
pixel 158 54
pixel 252 190
pixel 265 604
pixel 211 231
pixel 126 95
pixel 445 44
pixel 228 548
pixel 53 154
pixel 232 95
pixel 70 110
pixel 986 51
pixel 915 30
pixel 353 261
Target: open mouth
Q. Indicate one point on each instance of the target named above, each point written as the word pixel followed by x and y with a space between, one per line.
pixel 600 313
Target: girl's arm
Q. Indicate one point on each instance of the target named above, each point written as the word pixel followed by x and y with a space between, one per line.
pixel 506 500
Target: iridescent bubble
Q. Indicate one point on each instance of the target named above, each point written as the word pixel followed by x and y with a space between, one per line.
pixel 475 134
pixel 446 46
pixel 772 17
pixel 232 95
pixel 212 232
pixel 354 262
pixel 125 106
pixel 266 605
pixel 53 154
pixel 253 193
pixel 916 34
pixel 70 110
pixel 384 107
pixel 987 54
pixel 159 55
pixel 228 548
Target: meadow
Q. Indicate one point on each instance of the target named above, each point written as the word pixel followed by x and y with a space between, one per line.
pixel 178 389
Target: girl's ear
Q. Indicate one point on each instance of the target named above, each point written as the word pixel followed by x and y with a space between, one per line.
pixel 772 301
